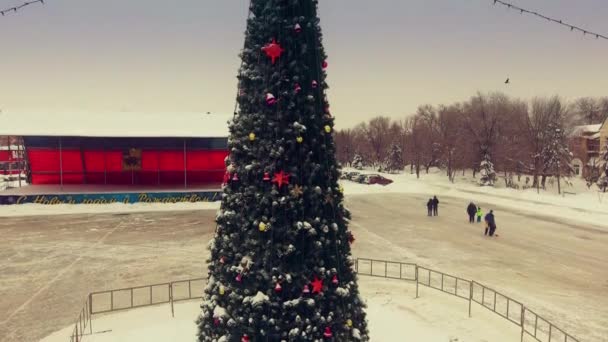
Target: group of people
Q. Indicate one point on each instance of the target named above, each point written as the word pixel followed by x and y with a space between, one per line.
pixel 432 206
pixel 475 211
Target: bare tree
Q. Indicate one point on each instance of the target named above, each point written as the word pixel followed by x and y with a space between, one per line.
pixel 377 134
pixel 482 120
pixel 588 110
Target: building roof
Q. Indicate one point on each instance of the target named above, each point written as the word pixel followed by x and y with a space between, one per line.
pixel 114 124
pixel 587 131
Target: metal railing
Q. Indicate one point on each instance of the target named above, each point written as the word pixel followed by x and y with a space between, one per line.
pixel 83 321
pixel 141 296
pixel 531 324
pixel 514 311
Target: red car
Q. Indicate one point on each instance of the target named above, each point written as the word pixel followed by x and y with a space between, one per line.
pixel 377 179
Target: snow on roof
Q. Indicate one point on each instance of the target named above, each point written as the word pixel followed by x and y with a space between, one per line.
pixel 12 148
pixel 585 130
pixel 115 124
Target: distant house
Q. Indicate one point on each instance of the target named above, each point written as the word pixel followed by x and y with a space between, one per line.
pixel 585 147
pixel 585 144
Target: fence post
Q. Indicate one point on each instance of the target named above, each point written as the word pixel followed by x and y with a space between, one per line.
pixel 91 313
pixel 523 321
pixel 470 296
pixel 417 280
pixel 171 299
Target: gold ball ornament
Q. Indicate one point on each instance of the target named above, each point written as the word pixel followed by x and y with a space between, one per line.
pixel 299 140
pixel 251 136
pixel 327 128
pixel 222 290
pixel 349 323
pixel 263 227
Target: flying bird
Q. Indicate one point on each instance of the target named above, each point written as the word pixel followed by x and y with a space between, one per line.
pixel 507 81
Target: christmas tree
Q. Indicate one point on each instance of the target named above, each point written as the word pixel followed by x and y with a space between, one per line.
pixel 281 266
pixel 358 162
pixel 486 170
pixel 394 160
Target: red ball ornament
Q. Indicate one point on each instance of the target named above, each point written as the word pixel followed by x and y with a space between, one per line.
pixel 306 290
pixel 273 50
pixel 297 28
pixel 216 321
pixel 278 288
pixel 235 177
pixel 270 99
pixel 222 260
pixel 328 333
pixel 266 176
pixel 245 338
pixel 239 278
pixel 315 84
pixel 334 280
pixel 325 64
pixel 297 88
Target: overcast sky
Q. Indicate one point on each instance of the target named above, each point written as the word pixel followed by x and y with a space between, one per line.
pixel 385 56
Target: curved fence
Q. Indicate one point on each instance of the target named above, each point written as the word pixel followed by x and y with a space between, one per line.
pixel 531 324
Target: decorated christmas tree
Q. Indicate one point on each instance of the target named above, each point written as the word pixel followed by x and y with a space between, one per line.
pixel 281 266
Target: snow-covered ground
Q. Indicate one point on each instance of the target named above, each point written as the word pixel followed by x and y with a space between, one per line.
pixel 394 315
pixel 555 267
pixel 578 203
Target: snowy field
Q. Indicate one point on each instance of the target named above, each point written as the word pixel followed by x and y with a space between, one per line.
pixel 394 315
pixel 556 266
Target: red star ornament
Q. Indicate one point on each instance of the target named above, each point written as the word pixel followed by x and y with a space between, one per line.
pixel 273 50
pixel 317 285
pixel 351 238
pixel 281 178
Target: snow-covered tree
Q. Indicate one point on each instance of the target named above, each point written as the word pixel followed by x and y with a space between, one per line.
pixel 394 160
pixel 357 162
pixel 603 180
pixel 281 267
pixel 486 171
pixel 556 155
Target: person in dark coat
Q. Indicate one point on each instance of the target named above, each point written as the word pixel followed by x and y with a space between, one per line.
pixel 490 223
pixel 435 206
pixel 429 206
pixel 472 210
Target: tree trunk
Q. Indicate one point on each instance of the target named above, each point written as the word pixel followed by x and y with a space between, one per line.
pixel 559 185
pixel 544 181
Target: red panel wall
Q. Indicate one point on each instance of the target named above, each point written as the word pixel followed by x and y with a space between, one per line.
pixel 164 167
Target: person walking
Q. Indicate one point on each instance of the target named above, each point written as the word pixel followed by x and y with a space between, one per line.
pixel 479 214
pixel 435 206
pixel 490 223
pixel 472 210
pixel 429 206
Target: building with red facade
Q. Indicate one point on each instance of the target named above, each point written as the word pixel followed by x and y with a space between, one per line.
pixel 110 152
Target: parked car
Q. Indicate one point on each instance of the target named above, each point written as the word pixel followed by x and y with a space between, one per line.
pixel 353 175
pixel 359 178
pixel 378 179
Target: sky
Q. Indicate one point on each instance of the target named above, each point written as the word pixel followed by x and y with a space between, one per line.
pixel 386 57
